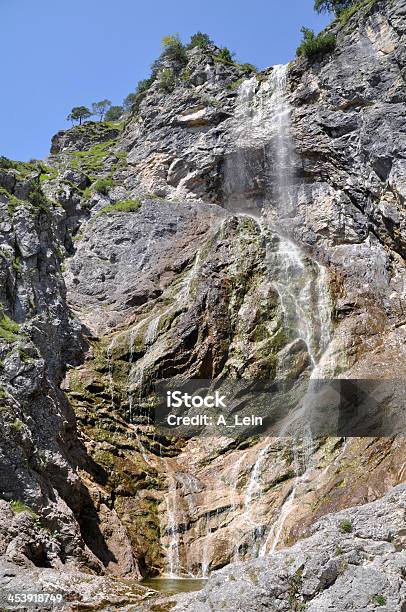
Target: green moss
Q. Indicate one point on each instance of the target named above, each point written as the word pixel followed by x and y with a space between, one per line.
pixel 345 526
pixel 380 600
pixel 16 265
pixel 24 355
pixel 125 206
pixel 17 425
pixel 9 329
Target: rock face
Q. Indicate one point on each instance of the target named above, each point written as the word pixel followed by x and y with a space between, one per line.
pixel 353 560
pixel 240 226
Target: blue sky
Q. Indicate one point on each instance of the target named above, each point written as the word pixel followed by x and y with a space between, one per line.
pixel 57 54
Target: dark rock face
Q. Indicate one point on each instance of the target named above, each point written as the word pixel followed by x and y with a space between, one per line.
pixel 97 303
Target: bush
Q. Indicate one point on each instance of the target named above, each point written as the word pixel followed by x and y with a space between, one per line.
pixel 225 56
pixel 167 80
pixel 380 600
pixel 114 113
pixel 129 102
pixel 346 14
pixel 122 206
pixel 103 185
pixel 199 40
pixel 250 68
pixel 38 200
pixel 313 46
pixel 133 100
pixel 174 51
pixel 345 526
pixel 333 6
pixel 6 164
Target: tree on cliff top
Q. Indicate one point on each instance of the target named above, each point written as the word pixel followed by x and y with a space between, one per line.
pixel 114 113
pixel 101 108
pixel 333 6
pixel 79 113
pixel 200 40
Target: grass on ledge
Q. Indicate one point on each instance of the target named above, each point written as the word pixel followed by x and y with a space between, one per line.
pixel 18 506
pixel 125 206
pixel 9 329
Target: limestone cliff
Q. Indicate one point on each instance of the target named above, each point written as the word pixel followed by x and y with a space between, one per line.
pixel 249 226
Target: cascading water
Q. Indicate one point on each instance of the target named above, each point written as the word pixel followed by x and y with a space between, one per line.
pixel 301 284
pixel 263 148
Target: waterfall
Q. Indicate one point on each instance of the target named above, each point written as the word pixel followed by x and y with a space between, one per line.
pixel 254 485
pixel 109 354
pixel 152 330
pixel 301 284
pixel 173 554
pixel 259 182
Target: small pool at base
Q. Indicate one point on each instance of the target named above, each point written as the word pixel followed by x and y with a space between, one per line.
pixel 174 585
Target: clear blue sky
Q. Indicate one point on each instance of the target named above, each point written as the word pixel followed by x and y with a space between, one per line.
pixel 57 54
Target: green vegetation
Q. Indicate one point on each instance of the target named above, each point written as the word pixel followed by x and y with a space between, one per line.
pixel 250 68
pixel 6 163
pixel 345 14
pixel 103 185
pixel 114 113
pixel 200 40
pixel 100 108
pixel 313 46
pixel 13 202
pixel 91 160
pixel 345 526
pixel 16 265
pixel 47 174
pixel 23 168
pixel 235 84
pixel 9 329
pixel 167 68
pixel 122 206
pixel 333 6
pixel 18 506
pixel 167 80
pixel 38 200
pixel 225 56
pixel 174 50
pixel 17 425
pixel 130 100
pixel 380 600
pixel 79 114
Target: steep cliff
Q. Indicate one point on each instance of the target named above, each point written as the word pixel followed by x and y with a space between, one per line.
pixel 238 226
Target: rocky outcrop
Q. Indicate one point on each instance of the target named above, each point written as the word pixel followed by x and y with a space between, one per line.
pixel 353 560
